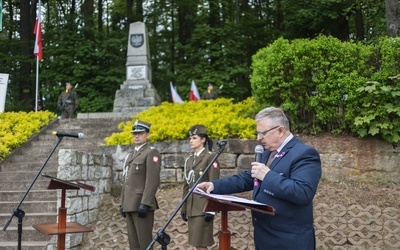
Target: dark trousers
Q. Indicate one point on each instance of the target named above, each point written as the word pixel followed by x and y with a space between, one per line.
pixel 68 112
pixel 140 230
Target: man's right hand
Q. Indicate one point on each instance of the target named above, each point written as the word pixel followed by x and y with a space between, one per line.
pixel 208 187
pixel 183 216
pixel 121 211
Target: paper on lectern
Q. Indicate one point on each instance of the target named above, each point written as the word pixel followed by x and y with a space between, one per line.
pixel 230 198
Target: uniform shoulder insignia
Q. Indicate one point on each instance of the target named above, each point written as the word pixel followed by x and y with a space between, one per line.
pixel 152 147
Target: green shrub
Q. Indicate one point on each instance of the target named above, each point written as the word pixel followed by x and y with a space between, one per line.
pixel 325 85
pixel 310 80
pixel 375 110
pixel 378 111
pixel 222 117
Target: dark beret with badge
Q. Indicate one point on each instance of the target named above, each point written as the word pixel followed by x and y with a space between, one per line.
pixel 197 130
pixel 141 126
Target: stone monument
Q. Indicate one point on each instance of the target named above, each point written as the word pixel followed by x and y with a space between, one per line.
pixel 137 93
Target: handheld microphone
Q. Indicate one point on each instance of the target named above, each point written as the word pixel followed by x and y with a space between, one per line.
pixel 79 135
pixel 258 150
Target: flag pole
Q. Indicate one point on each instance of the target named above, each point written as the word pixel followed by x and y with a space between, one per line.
pixel 37 50
pixel 37 84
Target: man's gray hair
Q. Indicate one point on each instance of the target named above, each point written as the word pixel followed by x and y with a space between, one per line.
pixel 276 115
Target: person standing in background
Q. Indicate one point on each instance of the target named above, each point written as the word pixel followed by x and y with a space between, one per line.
pixel 68 102
pixel 141 180
pixel 286 178
pixel 200 223
pixel 210 94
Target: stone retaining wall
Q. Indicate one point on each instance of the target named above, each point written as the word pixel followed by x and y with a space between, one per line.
pixel 342 158
pixel 83 205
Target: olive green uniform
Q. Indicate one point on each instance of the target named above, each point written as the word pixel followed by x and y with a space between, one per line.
pixel 68 103
pixel 142 179
pixel 200 231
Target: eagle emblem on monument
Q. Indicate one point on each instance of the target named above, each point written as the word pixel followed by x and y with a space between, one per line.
pixel 137 40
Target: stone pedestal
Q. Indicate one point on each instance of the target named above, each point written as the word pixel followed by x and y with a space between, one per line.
pixel 137 93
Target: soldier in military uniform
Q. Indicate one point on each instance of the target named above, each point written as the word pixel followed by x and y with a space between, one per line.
pixel 210 94
pixel 141 181
pixel 68 102
pixel 200 223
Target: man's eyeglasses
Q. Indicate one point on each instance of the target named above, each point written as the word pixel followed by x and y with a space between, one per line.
pixel 262 134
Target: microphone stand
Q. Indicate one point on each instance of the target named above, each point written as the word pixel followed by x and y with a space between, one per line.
pixel 19 213
pixel 162 237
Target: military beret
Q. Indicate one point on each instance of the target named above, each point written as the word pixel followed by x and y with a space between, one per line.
pixel 141 126
pixel 197 129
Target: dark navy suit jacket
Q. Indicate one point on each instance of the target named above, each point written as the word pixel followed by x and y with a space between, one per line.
pixel 289 187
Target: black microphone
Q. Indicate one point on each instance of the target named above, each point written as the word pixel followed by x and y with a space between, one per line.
pixel 258 150
pixel 79 135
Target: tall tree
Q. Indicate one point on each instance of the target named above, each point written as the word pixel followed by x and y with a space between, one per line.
pixel 85 41
pixel 359 21
pixel 100 13
pixel 88 19
pixel 27 87
pixel 393 17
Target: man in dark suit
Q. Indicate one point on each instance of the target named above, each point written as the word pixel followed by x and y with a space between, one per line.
pixel 141 180
pixel 287 179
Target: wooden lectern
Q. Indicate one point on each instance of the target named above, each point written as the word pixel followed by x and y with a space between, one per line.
pixel 226 203
pixel 63 227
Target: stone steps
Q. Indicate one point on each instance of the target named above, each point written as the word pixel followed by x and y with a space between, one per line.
pixel 31 245
pixel 27 233
pixel 29 219
pixel 32 239
pixel 39 184
pixel 31 158
pixel 38 195
pixel 22 175
pixel 27 166
pixel 66 142
pixel 18 170
pixel 31 206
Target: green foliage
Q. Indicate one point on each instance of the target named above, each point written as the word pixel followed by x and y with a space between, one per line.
pixel 222 117
pixel 339 18
pixel 17 127
pixel 310 79
pixel 388 52
pixel 325 85
pixel 379 110
pixel 315 81
pixel 375 108
pixel 96 66
pixel 11 61
pixel 208 64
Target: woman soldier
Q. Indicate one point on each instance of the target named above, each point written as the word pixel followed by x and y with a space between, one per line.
pixel 200 224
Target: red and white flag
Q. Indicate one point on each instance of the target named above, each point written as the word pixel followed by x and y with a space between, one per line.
pixel 194 93
pixel 175 96
pixel 38 32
